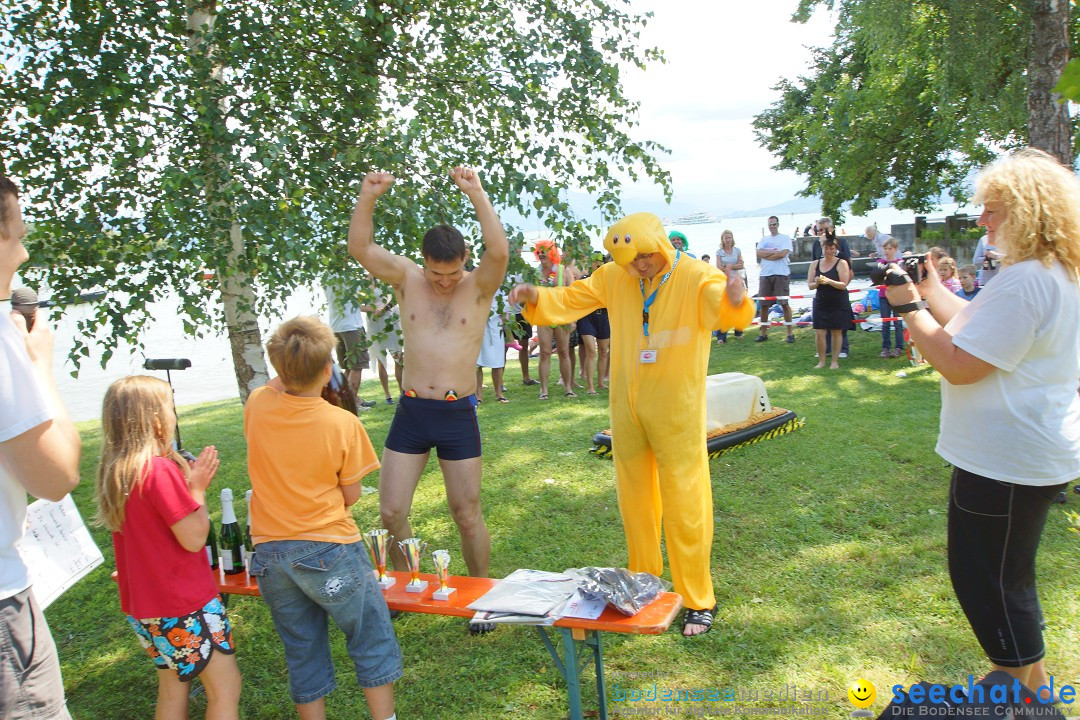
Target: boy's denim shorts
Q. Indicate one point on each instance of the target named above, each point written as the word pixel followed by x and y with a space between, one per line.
pixel 305 583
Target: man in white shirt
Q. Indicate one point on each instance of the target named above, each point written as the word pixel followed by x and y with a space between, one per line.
pixel 878 238
pixel 347 321
pixel 775 277
pixel 383 325
pixel 39 454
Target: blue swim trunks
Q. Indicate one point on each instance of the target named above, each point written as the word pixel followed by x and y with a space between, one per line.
pixel 449 426
pixel 596 324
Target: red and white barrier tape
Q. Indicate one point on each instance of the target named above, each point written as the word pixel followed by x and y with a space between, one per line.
pixel 851 291
pixel 780 323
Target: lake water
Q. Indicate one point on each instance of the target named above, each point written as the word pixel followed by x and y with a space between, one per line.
pixel 211 374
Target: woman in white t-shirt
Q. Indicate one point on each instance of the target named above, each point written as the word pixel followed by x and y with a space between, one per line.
pixel 1010 413
pixel 729 259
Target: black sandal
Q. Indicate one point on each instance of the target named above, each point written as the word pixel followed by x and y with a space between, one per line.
pixel 699 617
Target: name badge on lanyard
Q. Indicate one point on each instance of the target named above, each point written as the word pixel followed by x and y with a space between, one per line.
pixel 647 356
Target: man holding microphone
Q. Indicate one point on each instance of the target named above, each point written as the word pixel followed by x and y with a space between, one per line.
pixel 39 455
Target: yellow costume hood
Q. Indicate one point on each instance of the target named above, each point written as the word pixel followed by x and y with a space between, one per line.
pixel 638 234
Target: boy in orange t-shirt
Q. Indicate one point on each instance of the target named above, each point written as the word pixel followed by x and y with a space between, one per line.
pixel 306 459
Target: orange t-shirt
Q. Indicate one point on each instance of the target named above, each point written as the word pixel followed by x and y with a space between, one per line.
pixel 300 451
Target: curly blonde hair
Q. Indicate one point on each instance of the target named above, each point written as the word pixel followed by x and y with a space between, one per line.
pixel 948 262
pixel 1042 209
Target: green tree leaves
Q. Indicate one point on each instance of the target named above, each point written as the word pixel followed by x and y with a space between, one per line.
pixel 137 155
pixel 911 98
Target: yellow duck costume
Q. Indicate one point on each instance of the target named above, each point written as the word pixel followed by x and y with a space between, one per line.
pixel 657 396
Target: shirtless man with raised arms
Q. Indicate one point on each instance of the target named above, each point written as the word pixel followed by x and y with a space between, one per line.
pixel 443 313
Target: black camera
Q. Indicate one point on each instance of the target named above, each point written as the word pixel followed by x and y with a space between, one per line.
pixel 913 268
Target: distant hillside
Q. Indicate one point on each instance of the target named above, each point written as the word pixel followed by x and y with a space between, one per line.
pixel 793 206
pixel 673 210
pixel 585 207
pixel 801 205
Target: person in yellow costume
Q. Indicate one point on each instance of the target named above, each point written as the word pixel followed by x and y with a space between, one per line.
pixel 663 306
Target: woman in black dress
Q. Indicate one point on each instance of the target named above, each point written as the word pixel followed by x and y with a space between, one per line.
pixel 832 310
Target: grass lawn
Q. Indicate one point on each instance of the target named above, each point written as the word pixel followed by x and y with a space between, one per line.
pixel 829 557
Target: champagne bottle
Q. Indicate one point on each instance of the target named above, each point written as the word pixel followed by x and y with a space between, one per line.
pixel 230 541
pixel 249 548
pixel 211 548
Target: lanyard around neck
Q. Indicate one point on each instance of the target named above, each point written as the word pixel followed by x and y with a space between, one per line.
pixel 649 300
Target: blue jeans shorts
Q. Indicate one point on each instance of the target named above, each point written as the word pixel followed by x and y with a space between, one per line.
pixel 305 583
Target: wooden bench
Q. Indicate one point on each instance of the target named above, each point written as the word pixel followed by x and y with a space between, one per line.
pixel 654 619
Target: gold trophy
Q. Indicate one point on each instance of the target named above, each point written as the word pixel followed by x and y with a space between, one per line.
pixel 378 545
pixel 411 549
pixel 441 558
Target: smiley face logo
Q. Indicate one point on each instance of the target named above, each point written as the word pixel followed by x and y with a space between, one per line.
pixel 862 693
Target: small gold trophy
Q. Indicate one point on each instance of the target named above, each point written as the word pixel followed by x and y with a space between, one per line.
pixel 378 545
pixel 411 549
pixel 441 558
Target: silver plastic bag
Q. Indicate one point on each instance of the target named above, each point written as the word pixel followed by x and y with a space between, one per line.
pixel 625 591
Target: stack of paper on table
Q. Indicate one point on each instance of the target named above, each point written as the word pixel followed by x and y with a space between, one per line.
pixel 534 597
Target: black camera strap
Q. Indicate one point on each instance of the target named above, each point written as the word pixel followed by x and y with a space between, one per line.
pixel 909 307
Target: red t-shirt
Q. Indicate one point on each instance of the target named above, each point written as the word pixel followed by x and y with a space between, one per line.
pixel 157 576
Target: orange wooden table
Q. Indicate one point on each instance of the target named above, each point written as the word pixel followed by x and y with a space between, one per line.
pixel 653 619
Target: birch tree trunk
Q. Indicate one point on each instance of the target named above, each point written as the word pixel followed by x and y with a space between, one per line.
pixel 237 294
pixel 1048 118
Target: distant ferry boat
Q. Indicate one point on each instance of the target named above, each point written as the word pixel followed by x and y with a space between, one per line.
pixel 698 218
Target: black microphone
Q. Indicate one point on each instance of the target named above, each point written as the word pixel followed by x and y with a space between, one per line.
pixel 167 364
pixel 25 301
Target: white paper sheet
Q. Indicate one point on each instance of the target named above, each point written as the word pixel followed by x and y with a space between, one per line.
pixel 527 592
pixel 580 606
pixel 57 548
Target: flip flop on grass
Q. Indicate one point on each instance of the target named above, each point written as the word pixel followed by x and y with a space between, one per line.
pixel 699 617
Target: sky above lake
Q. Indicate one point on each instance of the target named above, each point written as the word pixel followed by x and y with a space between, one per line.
pixel 723 59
